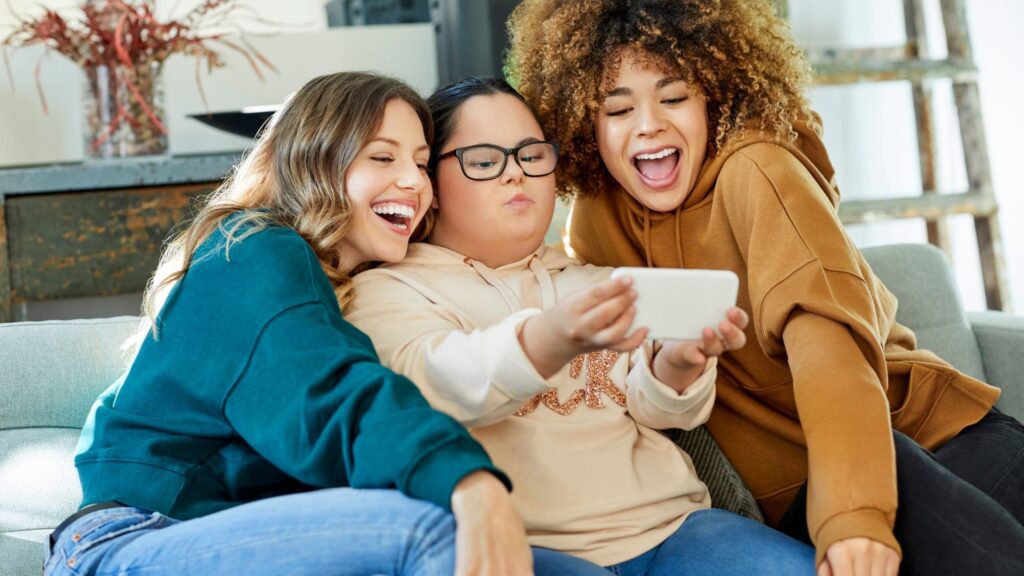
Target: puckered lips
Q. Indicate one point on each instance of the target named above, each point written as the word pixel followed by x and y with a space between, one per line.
pixel 520 201
pixel 657 168
pixel 398 214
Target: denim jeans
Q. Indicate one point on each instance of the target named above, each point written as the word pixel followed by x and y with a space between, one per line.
pixel 722 543
pixel 334 531
pixel 961 508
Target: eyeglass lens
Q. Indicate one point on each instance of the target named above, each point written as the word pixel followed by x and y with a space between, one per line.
pixel 485 162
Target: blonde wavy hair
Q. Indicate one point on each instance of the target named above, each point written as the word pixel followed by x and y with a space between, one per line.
pixel 565 53
pixel 294 175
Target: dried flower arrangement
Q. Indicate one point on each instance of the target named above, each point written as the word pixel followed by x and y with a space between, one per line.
pixel 122 46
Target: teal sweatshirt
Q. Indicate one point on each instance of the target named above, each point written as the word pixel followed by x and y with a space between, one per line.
pixel 257 387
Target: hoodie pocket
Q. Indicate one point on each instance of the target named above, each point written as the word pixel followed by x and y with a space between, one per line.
pixel 925 388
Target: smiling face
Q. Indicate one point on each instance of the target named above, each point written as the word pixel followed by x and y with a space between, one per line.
pixel 494 221
pixel 388 189
pixel 652 133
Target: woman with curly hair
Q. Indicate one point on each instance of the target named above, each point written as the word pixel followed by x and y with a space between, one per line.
pixel 687 142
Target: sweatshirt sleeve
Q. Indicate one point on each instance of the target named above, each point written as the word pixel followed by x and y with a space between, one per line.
pixel 654 404
pixel 342 419
pixel 478 376
pixel 817 307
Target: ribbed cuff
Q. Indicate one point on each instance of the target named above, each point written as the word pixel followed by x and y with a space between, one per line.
pixel 436 474
pixel 864 523
pixel 669 400
pixel 513 372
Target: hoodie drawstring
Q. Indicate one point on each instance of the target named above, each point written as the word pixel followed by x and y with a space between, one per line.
pixel 547 286
pixel 649 250
pixel 491 278
pixel 679 238
pixel 647 237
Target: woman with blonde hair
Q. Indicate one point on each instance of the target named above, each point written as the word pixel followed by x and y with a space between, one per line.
pixel 255 431
pixel 688 142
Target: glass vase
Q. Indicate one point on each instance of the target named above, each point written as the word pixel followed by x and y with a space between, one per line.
pixel 123 112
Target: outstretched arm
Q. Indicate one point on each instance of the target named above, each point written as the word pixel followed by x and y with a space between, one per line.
pixel 676 387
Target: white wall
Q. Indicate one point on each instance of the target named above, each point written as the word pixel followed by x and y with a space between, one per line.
pixel 303 50
pixel 870 132
pixel 868 128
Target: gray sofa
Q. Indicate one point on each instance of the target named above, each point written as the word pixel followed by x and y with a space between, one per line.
pixel 50 373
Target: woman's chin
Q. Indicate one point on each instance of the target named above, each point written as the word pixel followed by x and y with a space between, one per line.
pixel 392 254
pixel 666 200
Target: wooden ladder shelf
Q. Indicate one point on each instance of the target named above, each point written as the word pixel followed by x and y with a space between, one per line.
pixel 910 63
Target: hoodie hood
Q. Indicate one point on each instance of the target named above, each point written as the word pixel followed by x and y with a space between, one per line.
pixel 615 229
pixel 507 279
pixel 434 256
pixel 808 148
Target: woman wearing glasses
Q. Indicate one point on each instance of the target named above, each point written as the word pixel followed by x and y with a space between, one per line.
pixel 532 352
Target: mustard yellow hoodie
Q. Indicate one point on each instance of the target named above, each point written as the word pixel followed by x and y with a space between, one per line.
pixel 827 370
pixel 592 476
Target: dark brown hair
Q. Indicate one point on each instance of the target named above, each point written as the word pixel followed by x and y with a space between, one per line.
pixel 736 53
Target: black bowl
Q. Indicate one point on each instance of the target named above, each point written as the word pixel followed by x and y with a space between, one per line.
pixel 241 122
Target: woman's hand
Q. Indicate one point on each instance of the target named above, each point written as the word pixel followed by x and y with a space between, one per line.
pixel 859 557
pixel 680 363
pixel 489 535
pixel 597 318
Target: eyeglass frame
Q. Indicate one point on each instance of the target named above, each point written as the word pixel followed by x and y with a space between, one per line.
pixel 513 152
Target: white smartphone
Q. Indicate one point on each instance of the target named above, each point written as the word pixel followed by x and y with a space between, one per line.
pixel 678 303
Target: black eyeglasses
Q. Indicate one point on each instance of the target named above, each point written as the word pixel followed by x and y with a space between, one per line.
pixel 487 161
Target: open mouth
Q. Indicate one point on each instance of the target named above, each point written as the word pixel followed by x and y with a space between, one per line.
pixel 397 215
pixel 657 167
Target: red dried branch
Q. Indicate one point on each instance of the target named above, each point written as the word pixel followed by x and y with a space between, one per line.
pixel 7 66
pixel 39 83
pixel 248 57
pixel 130 84
pixel 126 34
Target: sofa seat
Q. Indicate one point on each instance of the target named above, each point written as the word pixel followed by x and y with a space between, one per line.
pixel 38 486
pixel 51 372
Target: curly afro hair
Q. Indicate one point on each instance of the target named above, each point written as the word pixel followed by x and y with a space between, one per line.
pixel 737 53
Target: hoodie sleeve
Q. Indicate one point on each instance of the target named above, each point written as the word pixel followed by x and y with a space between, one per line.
pixel 656 405
pixel 815 308
pixel 478 376
pixel 342 419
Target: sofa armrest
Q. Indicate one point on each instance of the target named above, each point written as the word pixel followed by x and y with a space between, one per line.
pixel 1001 340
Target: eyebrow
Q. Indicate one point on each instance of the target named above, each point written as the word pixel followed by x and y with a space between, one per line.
pixel 623 91
pixel 397 144
pixel 527 140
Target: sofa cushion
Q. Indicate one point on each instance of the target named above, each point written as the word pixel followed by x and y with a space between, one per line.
pixel 38 488
pixel 51 372
pixel 929 303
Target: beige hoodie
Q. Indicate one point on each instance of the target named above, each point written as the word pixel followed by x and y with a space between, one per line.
pixel 592 476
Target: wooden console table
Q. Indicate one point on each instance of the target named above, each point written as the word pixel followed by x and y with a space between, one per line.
pixel 95 228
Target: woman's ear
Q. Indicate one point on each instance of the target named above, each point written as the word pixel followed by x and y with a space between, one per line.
pixel 433 203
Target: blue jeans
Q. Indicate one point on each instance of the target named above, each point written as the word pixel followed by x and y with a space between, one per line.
pixel 333 531
pixel 709 542
pixel 721 542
